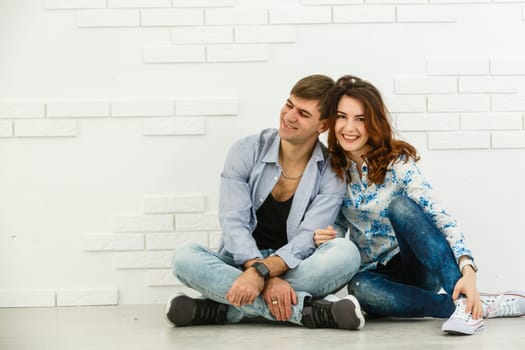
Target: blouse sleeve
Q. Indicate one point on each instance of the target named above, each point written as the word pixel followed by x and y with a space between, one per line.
pixel 409 177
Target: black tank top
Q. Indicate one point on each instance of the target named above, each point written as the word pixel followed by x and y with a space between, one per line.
pixel 271 223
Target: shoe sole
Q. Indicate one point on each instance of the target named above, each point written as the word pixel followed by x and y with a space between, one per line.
pixel 185 306
pixel 355 320
pixel 462 330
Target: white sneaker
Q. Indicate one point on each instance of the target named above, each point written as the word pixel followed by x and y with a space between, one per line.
pixel 462 323
pixel 508 304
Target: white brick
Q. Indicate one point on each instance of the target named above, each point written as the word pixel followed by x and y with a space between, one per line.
pixel 425 85
pixel 83 297
pixel 491 84
pixel 201 35
pixel 172 204
pixel 237 53
pixel 424 122
pixel 508 66
pixel 203 3
pixel 457 66
pixel 108 18
pixel 79 109
pixel 509 103
pixel 27 298
pixel 216 106
pixel 426 13
pixel 142 260
pixel 102 242
pixel 164 277
pixel 173 17
pixel 144 108
pixel 22 110
pixel 197 222
pixel 236 16
pixel 301 15
pixel 164 241
pixel 173 126
pixel 6 128
pixel 74 4
pixel 403 103
pixel 266 34
pixel 364 14
pixel 458 103
pixel 214 240
pixel 142 223
pixel 138 3
pixel 459 140
pixel 45 128
pixel 491 121
pixel 173 54
pixel 331 2
pixel 508 139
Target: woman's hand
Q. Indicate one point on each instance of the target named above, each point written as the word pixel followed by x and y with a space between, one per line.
pixel 324 235
pixel 466 285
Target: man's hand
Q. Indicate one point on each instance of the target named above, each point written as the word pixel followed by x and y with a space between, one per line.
pixel 246 288
pixel 466 285
pixel 279 297
pixel 324 235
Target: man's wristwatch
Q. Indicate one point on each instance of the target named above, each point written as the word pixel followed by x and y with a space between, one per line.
pixel 262 270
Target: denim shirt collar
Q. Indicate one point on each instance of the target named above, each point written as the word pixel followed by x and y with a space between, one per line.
pixel 272 156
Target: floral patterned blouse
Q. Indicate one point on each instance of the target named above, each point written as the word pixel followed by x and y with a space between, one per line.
pixel 365 207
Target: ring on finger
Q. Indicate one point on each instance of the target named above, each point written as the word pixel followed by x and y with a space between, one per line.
pixel 274 302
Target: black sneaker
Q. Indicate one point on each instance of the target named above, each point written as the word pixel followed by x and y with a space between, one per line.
pixel 333 312
pixel 185 311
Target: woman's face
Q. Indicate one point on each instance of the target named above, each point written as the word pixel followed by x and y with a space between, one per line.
pixel 350 128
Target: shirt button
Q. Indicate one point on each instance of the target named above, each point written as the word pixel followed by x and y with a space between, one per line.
pixel 262 200
pixel 275 178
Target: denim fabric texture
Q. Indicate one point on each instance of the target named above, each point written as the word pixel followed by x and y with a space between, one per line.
pixel 327 270
pixel 408 285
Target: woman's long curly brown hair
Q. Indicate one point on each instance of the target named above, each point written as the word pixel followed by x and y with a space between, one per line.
pixel 385 149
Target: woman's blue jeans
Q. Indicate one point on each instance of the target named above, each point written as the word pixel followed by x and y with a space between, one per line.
pixel 327 270
pixel 408 285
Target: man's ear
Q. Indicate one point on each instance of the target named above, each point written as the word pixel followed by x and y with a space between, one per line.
pixel 323 126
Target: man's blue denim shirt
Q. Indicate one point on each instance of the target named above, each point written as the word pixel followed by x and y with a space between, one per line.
pixel 250 172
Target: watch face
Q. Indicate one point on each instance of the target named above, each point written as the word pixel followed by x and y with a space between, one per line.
pixel 262 270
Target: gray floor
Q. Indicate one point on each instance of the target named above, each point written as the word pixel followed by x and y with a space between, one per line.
pixel 143 327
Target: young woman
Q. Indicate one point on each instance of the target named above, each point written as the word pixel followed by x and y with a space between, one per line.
pixel 411 248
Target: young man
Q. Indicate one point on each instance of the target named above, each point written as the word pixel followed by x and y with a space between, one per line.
pixel 276 188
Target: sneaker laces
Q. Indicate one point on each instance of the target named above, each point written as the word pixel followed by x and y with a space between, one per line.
pixel 322 315
pixel 207 311
pixel 500 305
pixel 460 312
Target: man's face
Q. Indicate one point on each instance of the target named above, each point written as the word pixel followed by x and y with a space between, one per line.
pixel 299 122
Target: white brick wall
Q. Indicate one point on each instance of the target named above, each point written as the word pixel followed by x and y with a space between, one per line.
pixel 6 128
pixel 142 223
pixel 22 109
pixel 45 128
pixel 237 53
pixel 364 14
pixel 158 108
pixel 457 66
pixel 173 17
pixel 143 86
pixel 173 126
pixel 304 15
pixel 162 204
pixel 236 16
pixel 459 140
pixel 173 54
pixel 108 18
pixel 80 297
pixel 27 298
pixel 77 109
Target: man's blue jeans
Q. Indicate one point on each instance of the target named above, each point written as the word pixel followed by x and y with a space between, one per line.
pixel 327 270
pixel 407 286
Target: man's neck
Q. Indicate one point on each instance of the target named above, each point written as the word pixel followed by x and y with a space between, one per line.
pixel 296 153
